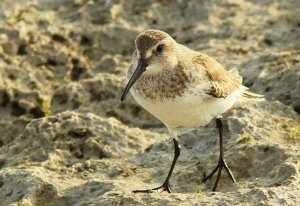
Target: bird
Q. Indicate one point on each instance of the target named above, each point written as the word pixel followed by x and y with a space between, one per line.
pixel 184 89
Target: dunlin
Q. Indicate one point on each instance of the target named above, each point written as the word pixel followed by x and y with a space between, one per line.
pixel 184 89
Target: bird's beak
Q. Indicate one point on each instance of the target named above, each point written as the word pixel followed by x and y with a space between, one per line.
pixel 141 68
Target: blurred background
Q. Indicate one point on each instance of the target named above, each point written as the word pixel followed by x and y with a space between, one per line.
pixel 62 71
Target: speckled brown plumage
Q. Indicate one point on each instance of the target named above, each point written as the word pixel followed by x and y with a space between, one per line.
pixel 166 85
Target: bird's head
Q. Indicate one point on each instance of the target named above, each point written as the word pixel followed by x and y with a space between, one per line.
pixel 155 51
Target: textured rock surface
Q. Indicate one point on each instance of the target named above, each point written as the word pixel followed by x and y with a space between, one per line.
pixel 66 139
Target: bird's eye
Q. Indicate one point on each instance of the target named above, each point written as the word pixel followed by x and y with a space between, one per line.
pixel 160 48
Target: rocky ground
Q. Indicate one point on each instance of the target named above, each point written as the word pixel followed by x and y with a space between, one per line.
pixel 66 139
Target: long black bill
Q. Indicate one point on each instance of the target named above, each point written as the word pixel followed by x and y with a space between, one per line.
pixel 141 68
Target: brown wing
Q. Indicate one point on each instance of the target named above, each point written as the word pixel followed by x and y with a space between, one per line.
pixel 223 82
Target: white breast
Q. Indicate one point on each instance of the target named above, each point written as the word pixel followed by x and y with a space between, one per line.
pixel 194 108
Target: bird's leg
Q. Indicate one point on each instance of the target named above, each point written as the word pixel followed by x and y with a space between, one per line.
pixel 166 185
pixel 221 162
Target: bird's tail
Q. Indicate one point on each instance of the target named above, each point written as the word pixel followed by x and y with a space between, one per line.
pixel 253 96
pixel 248 97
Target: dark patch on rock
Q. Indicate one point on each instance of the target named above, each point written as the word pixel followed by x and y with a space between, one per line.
pixel 267 149
pixel 76 72
pixel 5 99
pixel 136 111
pixel 86 41
pixel 62 98
pixel 16 109
pixel 2 163
pixel 37 112
pixel 76 104
pixel 297 108
pixel 77 151
pixel 12 76
pixel 80 132
pixel 22 50
pixel 75 61
pixel 52 62
pixel 59 38
pixel 101 95
pixel 268 42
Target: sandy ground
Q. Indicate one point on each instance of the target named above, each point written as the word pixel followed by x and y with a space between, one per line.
pixel 66 139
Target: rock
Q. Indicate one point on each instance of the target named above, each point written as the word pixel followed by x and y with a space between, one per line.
pixel 107 64
pixel 10 48
pixel 101 95
pixel 277 75
pixel 75 136
pixel 66 139
pixel 110 35
pixel 18 103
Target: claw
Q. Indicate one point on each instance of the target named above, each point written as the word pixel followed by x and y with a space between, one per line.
pixel 219 168
pixel 165 187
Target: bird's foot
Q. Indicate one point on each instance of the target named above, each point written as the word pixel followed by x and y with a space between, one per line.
pixel 165 187
pixel 219 168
